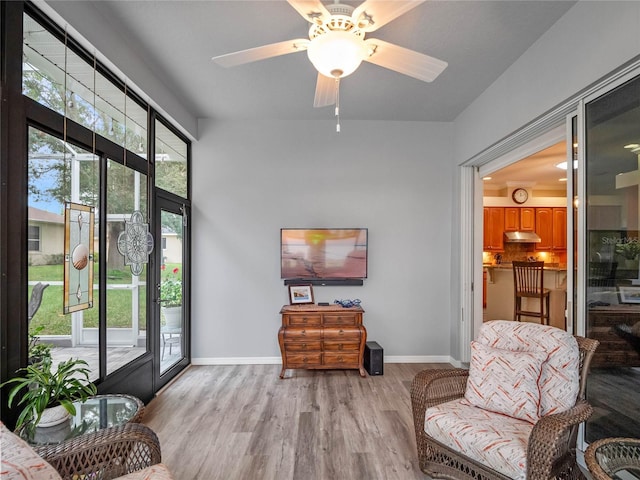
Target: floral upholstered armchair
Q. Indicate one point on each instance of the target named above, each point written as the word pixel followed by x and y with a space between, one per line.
pixel 514 414
pixel 126 452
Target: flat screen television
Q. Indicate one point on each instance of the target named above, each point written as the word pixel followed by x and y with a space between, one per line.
pixel 320 255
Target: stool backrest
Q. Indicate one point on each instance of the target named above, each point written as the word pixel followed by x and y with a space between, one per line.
pixel 528 277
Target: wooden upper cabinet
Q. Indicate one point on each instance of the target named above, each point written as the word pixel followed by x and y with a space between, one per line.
pixel 550 223
pixel 559 228
pixel 493 229
pixel 551 226
pixel 511 219
pixel 528 219
pixel 544 228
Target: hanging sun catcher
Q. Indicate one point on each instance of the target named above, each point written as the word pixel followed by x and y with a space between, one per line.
pixel 135 243
pixel 78 257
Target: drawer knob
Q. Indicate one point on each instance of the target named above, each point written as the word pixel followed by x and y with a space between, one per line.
pixel 340 360
pixel 341 332
pixel 340 346
pixel 304 345
pixel 304 332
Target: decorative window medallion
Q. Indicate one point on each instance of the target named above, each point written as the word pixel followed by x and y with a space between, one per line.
pixel 136 243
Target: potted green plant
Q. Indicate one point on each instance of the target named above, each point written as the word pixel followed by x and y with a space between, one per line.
pixel 171 297
pixel 43 388
pixel 38 350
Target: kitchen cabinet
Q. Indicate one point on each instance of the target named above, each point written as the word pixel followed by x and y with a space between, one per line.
pixel 527 219
pixel 559 228
pixel 493 229
pixel 551 226
pixel 544 228
pixel 511 219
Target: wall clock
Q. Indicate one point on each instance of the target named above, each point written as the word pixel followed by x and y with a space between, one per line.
pixel 520 195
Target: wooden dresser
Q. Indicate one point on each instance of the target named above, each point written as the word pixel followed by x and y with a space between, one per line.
pixel 322 337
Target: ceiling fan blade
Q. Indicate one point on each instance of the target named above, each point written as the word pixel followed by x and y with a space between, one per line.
pixel 405 61
pixel 313 11
pixel 373 14
pixel 260 53
pixel 325 91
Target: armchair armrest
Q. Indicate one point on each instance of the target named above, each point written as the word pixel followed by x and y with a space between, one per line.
pixel 113 451
pixel 432 387
pixel 553 440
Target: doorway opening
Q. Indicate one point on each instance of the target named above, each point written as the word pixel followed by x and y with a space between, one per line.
pixel 525 219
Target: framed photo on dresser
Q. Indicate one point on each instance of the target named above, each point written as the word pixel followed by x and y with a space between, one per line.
pixel 629 294
pixel 300 294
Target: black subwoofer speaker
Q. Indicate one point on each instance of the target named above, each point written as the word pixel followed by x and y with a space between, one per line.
pixel 373 358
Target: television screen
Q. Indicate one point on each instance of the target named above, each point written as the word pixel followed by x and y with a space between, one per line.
pixel 323 253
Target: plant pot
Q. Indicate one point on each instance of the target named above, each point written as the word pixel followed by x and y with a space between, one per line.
pixel 172 316
pixel 53 416
pixel 54 434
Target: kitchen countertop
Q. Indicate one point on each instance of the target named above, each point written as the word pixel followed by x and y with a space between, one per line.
pixel 559 267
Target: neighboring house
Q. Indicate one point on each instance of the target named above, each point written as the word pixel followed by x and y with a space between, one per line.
pixel 46 237
pixel 171 246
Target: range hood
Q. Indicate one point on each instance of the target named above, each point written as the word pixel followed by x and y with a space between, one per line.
pixel 522 237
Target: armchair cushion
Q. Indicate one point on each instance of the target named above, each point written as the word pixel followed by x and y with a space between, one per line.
pixel 20 462
pixel 505 382
pixel 495 440
pixel 560 375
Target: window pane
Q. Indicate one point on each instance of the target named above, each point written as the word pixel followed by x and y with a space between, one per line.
pixel 59 173
pixel 171 284
pixel 83 94
pixel 613 276
pixel 43 66
pixel 34 238
pixel 170 161
pixel 126 293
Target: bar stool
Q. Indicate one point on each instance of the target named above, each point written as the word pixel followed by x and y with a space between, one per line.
pixel 528 282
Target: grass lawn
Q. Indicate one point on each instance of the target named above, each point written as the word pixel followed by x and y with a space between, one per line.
pixel 118 301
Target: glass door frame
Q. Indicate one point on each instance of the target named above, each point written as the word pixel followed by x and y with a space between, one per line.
pixel 168 202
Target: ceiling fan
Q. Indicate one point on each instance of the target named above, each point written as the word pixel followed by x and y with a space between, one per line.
pixel 337 45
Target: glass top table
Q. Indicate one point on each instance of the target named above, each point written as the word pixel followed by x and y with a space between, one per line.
pixel 614 458
pixel 98 412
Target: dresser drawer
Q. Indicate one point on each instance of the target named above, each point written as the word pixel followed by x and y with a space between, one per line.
pixel 338 346
pixel 341 359
pixel 340 319
pixel 297 360
pixel 304 319
pixel 337 334
pixel 303 346
pixel 302 334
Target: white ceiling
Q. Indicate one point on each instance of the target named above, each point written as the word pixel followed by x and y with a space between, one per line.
pixel 538 171
pixel 177 38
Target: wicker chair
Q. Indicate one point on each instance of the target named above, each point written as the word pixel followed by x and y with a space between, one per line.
pixel 550 452
pixel 130 451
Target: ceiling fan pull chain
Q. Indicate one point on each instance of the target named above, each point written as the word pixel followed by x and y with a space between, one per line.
pixel 338 104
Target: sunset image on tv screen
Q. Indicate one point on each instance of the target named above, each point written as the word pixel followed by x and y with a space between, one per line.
pixel 324 253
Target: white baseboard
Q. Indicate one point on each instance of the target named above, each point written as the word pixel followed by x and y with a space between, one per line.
pixel 278 360
pixel 236 361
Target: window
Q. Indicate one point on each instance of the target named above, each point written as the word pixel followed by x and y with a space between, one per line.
pixel 34 238
pixel 58 77
pixel 171 161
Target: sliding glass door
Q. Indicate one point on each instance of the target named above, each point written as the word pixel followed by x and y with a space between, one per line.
pixel 612 250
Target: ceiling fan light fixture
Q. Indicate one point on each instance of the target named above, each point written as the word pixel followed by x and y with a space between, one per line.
pixel 336 54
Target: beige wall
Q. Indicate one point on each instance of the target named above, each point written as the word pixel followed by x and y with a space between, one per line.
pixel 51 242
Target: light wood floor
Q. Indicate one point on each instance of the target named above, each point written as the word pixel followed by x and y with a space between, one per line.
pixel 243 422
